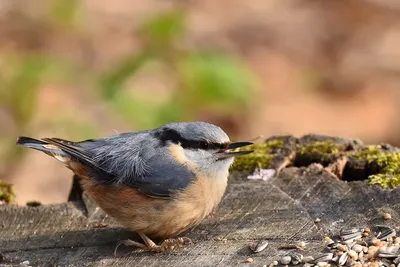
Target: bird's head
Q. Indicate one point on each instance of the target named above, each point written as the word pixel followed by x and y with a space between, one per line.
pixel 203 147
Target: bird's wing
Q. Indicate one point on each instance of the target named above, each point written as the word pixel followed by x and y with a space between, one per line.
pixel 116 160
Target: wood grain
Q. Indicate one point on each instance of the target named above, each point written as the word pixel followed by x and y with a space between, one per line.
pixel 281 210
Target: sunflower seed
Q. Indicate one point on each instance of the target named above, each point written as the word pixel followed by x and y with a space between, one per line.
pixel 323 257
pixel 286 260
pixel 386 262
pixel 340 247
pixel 346 231
pixel 296 258
pixel 357 248
pixel 349 238
pixel 389 252
pixel 307 259
pixel 386 233
pixel 260 246
pixel 343 259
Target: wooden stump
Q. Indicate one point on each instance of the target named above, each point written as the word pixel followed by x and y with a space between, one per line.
pixel 281 210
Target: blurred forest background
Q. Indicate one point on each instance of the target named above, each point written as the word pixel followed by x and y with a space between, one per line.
pixel 82 69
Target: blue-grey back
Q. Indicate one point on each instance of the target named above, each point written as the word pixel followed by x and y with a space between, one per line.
pixel 139 160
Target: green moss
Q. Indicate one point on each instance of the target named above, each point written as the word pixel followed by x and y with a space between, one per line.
pixel 7 193
pixel 385 180
pixel 371 153
pixel 388 163
pixel 260 158
pixel 320 147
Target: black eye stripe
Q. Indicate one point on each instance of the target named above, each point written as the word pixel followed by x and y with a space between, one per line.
pixel 173 136
pixel 201 145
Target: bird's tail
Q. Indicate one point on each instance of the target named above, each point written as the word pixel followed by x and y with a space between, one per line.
pixel 49 149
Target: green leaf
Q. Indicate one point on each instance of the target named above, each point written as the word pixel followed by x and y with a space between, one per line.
pixel 112 82
pixel 213 77
pixel 163 28
pixel 24 87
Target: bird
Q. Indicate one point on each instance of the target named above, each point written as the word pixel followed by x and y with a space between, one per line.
pixel 158 182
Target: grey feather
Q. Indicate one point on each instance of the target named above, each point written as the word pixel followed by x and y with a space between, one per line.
pixel 142 160
pixel 137 159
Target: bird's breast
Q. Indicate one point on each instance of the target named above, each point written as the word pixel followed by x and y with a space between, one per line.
pixel 160 217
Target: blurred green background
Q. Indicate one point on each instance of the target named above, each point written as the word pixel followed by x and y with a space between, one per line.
pixel 83 69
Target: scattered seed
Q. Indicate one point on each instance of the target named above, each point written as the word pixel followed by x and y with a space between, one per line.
pixel 323 257
pixel 350 231
pixel 385 262
pixel 353 255
pixel 286 260
pixel 386 233
pixel 351 237
pixel 250 260
pixel 390 240
pixel 317 220
pixel 341 247
pixel 361 242
pixel 260 246
pixel 372 251
pixel 380 248
pixel 328 241
pixel 296 258
pixel 389 252
pixel 387 216
pixel 307 259
pixel 343 259
pixel 357 248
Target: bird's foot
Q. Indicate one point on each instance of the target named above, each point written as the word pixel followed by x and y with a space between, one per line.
pixel 167 245
pixel 129 243
pixel 170 244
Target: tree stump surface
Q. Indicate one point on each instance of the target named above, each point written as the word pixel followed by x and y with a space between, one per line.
pixel 281 210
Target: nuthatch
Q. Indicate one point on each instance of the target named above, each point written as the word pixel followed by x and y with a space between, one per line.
pixel 157 182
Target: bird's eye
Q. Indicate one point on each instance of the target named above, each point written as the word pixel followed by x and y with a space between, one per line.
pixel 203 145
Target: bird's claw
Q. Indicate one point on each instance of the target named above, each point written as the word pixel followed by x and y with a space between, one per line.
pixel 167 245
pixel 170 244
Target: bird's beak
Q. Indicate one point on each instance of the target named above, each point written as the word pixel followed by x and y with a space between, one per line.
pixel 225 153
